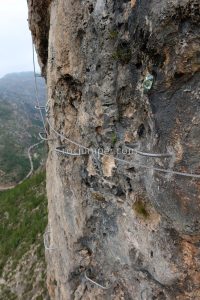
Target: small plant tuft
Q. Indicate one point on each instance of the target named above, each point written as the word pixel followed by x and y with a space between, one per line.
pixel 114 138
pixel 113 34
pixel 122 54
pixel 98 196
pixel 140 208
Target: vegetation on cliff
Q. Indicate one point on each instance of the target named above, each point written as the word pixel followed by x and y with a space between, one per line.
pixel 23 218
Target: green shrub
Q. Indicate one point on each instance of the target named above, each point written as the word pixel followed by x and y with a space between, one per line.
pixel 140 208
pixel 122 54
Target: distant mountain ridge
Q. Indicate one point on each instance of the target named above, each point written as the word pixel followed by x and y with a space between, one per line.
pixel 21 84
pixel 19 124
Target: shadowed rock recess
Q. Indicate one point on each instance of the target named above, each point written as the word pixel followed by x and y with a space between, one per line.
pixel 135 231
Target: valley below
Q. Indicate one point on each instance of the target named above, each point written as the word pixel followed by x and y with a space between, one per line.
pixel 23 202
pixel 19 127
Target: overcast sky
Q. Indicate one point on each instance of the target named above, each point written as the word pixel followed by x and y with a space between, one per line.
pixel 15 37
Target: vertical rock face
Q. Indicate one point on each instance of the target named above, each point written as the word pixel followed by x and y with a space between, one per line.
pixel 122 74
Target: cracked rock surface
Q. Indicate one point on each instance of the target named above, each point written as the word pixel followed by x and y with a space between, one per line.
pixel 131 229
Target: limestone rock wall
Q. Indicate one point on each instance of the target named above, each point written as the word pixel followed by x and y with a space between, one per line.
pixel 130 228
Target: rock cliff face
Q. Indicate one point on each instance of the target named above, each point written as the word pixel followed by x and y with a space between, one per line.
pixel 122 74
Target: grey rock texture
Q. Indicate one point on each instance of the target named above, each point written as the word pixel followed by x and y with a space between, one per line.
pixel 129 228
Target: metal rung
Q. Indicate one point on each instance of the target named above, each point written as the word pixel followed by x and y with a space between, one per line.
pixel 156 155
pixel 41 135
pixel 40 107
pixel 47 108
pixel 96 283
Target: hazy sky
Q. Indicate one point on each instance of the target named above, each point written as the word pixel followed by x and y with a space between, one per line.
pixel 15 37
